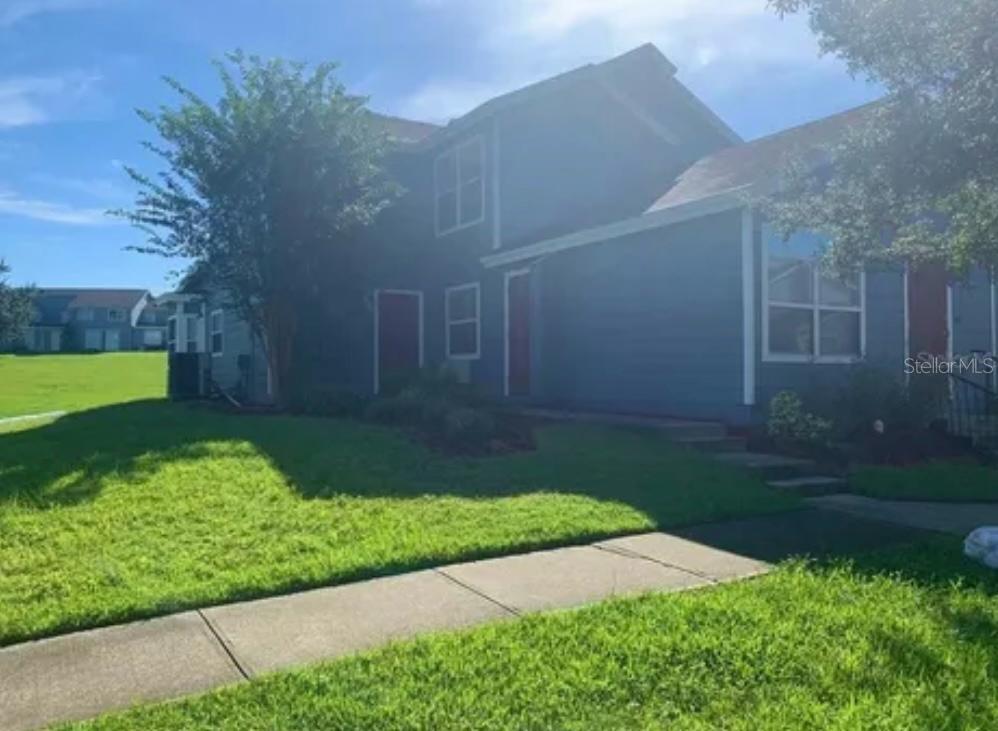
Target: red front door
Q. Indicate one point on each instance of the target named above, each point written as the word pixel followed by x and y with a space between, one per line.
pixel 399 335
pixel 518 334
pixel 928 310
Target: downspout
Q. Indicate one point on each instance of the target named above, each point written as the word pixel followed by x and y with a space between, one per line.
pixel 748 309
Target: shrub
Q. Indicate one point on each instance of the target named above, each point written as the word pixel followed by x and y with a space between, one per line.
pixel 468 427
pixel 440 408
pixel 791 424
pixel 874 395
pixel 327 400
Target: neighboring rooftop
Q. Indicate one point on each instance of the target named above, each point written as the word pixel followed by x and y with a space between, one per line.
pixel 93 297
pixel 405 130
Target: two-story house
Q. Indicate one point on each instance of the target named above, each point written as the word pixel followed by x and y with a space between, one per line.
pixel 586 243
pixel 95 320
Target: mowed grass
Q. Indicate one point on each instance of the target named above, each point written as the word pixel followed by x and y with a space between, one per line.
pixel 151 507
pixel 851 646
pixel 946 481
pixel 32 384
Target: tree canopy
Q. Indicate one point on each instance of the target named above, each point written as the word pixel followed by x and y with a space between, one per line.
pixel 917 178
pixel 260 186
pixel 16 310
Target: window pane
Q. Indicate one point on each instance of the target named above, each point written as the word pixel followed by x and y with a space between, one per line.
pixel 471 162
pixel 171 329
pixel 447 211
pixel 463 338
pixel 790 280
pixel 462 304
pixel 838 291
pixel 840 333
pixel 216 343
pixel 791 331
pixel 471 202
pixel 446 172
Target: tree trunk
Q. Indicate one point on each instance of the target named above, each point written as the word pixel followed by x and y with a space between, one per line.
pixel 280 326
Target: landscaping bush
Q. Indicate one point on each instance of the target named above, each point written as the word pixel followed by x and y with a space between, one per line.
pixel 875 396
pixel 441 410
pixel 468 427
pixel 879 418
pixel 327 400
pixel 791 425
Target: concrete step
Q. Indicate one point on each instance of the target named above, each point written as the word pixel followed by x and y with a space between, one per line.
pixel 770 466
pixel 811 486
pixel 715 444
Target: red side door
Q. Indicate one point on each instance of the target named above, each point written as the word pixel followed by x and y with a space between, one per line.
pixel 518 334
pixel 399 334
pixel 928 310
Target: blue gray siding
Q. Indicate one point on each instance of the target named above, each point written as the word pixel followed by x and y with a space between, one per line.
pixel 646 324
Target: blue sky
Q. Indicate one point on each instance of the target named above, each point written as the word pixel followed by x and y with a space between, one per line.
pixel 72 72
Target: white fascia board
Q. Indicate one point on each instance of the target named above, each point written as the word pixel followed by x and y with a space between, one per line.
pixel 726 201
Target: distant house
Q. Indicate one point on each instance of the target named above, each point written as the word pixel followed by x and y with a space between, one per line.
pixel 95 320
pixel 587 243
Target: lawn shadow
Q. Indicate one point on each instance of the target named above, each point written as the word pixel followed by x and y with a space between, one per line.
pixel 66 462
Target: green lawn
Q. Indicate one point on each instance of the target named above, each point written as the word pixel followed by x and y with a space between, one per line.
pixel 150 507
pixel 949 481
pixel 31 384
pixel 809 647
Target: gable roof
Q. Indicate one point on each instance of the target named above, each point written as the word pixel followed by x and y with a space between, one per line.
pixel 758 162
pixel 717 182
pixel 640 60
pixel 52 304
pixel 75 298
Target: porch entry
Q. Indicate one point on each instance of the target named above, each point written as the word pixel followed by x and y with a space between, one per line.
pixel 928 310
pixel 518 333
pixel 398 334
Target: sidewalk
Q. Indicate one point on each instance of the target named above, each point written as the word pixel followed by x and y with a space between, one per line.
pixel 956 518
pixel 85 674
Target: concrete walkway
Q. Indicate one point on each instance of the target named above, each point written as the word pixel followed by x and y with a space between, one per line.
pixel 956 518
pixel 84 674
pixel 31 417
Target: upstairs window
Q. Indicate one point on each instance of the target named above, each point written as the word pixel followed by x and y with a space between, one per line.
pixel 459 186
pixel 215 329
pixel 115 315
pixel 810 315
pixel 462 309
pixel 85 314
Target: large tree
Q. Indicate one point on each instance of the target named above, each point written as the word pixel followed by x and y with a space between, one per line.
pixel 16 310
pixel 262 188
pixel 916 178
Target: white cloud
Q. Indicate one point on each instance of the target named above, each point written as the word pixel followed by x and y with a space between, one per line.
pixel 12 204
pixel 100 188
pixel 718 45
pixel 13 11
pixel 28 100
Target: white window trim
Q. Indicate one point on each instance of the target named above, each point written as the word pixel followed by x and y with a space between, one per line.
pixel 212 332
pixel 477 319
pixel 816 309
pixel 377 330
pixel 478 141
